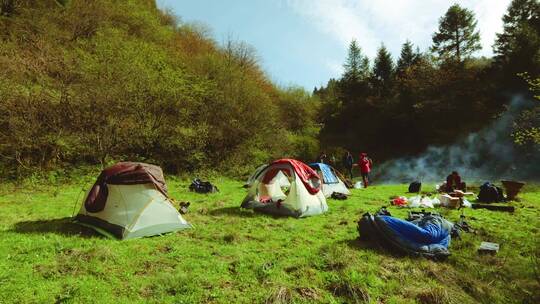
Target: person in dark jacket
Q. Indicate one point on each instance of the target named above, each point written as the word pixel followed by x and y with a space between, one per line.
pixel 348 162
pixel 453 182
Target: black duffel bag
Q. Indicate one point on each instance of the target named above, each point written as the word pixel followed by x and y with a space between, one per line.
pixel 200 186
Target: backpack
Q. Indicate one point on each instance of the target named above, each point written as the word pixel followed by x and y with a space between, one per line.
pixel 339 196
pixel 202 186
pixel 490 193
pixel 415 187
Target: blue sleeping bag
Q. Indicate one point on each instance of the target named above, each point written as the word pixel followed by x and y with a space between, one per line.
pixel 427 236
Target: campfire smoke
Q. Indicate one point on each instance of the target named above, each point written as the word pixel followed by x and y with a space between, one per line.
pixel 488 154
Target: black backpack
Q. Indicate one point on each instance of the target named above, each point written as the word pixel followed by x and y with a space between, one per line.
pixel 202 186
pixel 490 193
pixel 339 196
pixel 415 187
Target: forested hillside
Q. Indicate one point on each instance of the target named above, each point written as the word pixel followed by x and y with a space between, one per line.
pixel 89 82
pixel 395 107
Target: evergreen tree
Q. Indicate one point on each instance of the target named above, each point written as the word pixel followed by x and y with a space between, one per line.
pixel 357 65
pixel 7 7
pixel 517 48
pixel 383 68
pixel 457 37
pixel 407 57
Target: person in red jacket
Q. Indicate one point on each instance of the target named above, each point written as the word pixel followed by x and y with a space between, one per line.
pixel 365 164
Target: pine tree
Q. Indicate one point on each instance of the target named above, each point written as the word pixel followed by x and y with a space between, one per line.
pixel 383 68
pixel 457 37
pixel 357 65
pixel 517 48
pixel 521 14
pixel 407 57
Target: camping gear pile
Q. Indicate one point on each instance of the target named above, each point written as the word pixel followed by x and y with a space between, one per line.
pixel 422 234
pixel 422 201
pixel 490 193
pixel 425 201
pixel 130 200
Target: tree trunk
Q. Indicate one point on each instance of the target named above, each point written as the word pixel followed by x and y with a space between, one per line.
pixel 457 45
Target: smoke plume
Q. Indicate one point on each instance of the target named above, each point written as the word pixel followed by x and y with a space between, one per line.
pixel 488 154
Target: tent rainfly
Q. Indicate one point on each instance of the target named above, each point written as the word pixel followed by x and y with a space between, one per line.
pixel 130 200
pixel 280 178
pixel 302 197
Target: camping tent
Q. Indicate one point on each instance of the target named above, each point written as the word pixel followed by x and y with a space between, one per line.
pixel 282 180
pixel 130 200
pixel 301 198
pixel 330 181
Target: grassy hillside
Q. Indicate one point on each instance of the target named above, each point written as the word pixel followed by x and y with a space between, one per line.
pixel 237 256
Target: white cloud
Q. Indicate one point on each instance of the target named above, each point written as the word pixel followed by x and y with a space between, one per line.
pixel 393 21
pixel 335 67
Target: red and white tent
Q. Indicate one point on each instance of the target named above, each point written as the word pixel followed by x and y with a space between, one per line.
pixel 302 198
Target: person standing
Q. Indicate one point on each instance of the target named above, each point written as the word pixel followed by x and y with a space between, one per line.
pixel 348 163
pixel 365 164
pixel 322 158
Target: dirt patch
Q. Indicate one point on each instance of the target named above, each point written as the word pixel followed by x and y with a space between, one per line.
pixel 165 249
pixel 154 266
pixel 308 293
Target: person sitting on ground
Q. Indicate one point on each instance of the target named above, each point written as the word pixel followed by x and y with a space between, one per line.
pixel 348 162
pixel 453 182
pixel 365 164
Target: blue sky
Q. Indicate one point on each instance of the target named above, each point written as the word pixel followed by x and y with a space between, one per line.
pixel 304 42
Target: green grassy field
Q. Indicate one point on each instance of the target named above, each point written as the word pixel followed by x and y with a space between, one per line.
pixel 237 256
